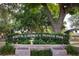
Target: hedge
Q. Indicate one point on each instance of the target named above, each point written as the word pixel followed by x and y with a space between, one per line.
pixel 41 53
pixel 40 39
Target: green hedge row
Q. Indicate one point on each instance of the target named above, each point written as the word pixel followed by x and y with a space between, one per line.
pixel 44 40
pixel 41 40
pixel 41 53
pixel 19 40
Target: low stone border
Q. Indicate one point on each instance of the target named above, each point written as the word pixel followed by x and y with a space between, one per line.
pixel 24 50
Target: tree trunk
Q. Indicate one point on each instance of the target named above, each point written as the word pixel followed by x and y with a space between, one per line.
pixel 56 26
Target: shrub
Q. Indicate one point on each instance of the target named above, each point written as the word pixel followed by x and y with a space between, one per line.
pixel 66 39
pixel 7 50
pixel 50 40
pixel 71 50
pixel 41 53
pixel 38 41
pixel 19 41
pixel 24 42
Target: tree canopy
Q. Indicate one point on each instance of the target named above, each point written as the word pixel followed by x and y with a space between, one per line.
pixel 40 17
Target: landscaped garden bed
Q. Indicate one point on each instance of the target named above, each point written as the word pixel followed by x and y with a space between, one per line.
pixel 38 39
pixel 71 50
pixel 7 49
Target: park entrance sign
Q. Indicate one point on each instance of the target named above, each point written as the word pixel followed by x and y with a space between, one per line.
pixel 41 41
pixel 43 37
pixel 34 35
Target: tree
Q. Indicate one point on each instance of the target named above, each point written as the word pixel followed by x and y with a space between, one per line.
pixel 56 26
pixel 37 17
pixel 6 18
pixel 32 17
pixel 54 13
pixel 64 8
pixel 35 12
pixel 74 20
